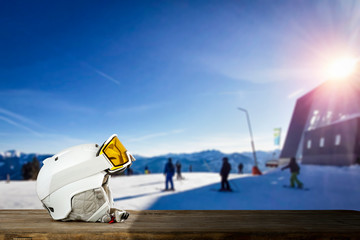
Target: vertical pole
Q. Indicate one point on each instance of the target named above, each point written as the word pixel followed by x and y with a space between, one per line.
pixel 256 170
pixel 252 138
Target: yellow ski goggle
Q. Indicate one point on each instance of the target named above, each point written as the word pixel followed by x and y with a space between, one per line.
pixel 116 153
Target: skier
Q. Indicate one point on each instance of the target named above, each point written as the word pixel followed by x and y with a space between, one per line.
pixel 169 172
pixel 240 167
pixel 224 173
pixel 295 170
pixel 178 170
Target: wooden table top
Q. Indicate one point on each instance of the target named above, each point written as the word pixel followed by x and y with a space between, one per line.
pixel 152 224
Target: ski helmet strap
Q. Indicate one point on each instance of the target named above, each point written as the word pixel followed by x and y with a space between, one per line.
pixel 118 215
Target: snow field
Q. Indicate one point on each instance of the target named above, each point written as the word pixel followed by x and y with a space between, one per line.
pixel 142 191
pixel 330 188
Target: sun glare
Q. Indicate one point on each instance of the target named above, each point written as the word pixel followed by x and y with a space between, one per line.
pixel 341 68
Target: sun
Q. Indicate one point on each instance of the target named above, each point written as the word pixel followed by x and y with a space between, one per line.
pixel 341 68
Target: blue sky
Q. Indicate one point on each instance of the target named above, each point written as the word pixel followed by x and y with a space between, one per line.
pixel 166 76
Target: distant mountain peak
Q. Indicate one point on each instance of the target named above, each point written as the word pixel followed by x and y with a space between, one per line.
pixel 11 153
pixel 211 151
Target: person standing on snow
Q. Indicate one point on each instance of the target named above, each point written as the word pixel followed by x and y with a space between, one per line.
pixel 178 170
pixel 169 173
pixel 295 170
pixel 240 168
pixel 147 170
pixel 224 173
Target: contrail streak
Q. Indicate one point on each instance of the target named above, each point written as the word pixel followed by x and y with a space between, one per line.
pixel 107 77
pixel 19 125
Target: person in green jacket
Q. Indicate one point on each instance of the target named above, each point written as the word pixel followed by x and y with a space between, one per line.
pixel 295 170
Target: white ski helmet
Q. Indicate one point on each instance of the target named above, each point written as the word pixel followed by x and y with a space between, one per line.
pixel 73 184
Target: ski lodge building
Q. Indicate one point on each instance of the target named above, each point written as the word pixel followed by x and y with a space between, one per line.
pixel 325 125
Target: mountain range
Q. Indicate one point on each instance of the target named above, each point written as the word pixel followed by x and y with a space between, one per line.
pixel 11 162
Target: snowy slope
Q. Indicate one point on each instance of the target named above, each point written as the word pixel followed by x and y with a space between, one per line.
pixel 330 188
pixel 19 195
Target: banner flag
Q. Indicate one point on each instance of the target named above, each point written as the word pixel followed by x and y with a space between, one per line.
pixel 277 134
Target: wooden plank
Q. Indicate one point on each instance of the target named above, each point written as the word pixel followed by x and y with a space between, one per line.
pixel 37 224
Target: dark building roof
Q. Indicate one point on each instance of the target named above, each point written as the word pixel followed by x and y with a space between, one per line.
pixel 330 102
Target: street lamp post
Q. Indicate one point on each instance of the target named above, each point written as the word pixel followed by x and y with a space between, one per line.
pixel 255 169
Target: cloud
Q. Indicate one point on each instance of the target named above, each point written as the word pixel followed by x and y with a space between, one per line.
pixel 10 118
pixel 42 99
pixel 269 75
pixel 136 109
pixel 68 106
pixel 241 93
pixel 11 122
pixel 296 93
pixel 17 116
pixel 226 143
pixel 236 68
pixel 156 135
pixel 46 143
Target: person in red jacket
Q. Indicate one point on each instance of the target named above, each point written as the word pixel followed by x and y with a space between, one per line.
pixel 295 170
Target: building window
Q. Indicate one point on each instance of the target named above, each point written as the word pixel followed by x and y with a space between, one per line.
pixel 329 116
pixel 308 144
pixel 337 140
pixel 322 142
pixel 314 120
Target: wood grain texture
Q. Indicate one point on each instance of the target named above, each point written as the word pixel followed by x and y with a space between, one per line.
pixel 37 224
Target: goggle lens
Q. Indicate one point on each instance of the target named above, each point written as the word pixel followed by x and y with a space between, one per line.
pixel 115 152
